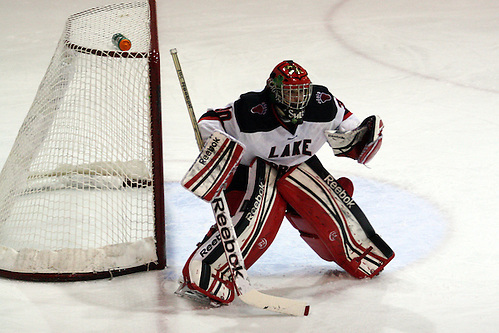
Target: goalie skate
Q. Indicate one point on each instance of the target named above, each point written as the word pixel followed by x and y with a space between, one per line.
pixel 183 290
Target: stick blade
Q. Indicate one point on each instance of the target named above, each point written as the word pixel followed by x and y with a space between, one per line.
pixel 275 303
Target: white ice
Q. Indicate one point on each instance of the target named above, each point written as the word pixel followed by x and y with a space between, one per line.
pixel 429 68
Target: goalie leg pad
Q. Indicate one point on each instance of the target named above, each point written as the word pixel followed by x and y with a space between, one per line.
pixel 308 233
pixel 256 221
pixel 214 166
pixel 331 222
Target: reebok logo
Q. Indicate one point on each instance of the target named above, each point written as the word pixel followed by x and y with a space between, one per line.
pixel 342 194
pixel 209 151
pixel 228 241
pixel 258 199
pixel 207 249
pixel 262 243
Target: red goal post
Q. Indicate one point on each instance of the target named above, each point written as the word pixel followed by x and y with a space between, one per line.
pixel 81 193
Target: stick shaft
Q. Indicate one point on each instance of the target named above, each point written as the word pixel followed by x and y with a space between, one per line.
pixel 187 98
pixel 219 204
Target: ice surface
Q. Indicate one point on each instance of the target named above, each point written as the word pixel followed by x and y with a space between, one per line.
pixel 429 68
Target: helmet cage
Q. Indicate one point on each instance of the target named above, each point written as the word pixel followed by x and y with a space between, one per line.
pixel 291 90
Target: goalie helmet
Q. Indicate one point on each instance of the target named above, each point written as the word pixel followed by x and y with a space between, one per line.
pixel 290 91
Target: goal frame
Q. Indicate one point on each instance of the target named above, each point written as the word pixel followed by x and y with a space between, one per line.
pixel 157 169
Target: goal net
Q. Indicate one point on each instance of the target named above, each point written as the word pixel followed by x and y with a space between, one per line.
pixel 81 193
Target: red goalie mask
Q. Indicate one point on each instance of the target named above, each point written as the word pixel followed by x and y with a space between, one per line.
pixel 290 88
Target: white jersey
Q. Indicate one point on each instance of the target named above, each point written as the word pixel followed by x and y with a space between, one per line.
pixel 253 121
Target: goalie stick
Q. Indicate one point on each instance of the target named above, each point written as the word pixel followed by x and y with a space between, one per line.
pixel 246 292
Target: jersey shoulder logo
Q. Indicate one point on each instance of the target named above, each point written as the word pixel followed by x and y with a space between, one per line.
pixel 260 109
pixel 322 97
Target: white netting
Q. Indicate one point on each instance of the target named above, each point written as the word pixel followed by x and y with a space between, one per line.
pixel 76 191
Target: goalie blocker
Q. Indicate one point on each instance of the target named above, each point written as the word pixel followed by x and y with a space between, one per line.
pixel 214 166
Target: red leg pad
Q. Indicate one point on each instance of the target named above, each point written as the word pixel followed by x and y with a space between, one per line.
pixel 308 234
pixel 331 222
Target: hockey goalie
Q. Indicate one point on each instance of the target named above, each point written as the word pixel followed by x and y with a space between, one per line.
pixel 260 151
